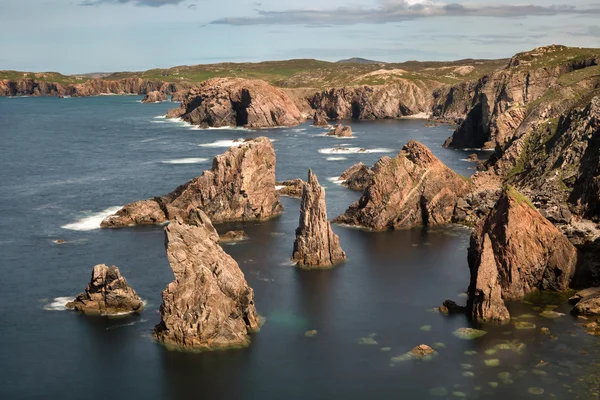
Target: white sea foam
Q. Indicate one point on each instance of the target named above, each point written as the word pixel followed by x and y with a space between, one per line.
pixel 336 180
pixel 91 221
pixel 190 160
pixel 279 187
pixel 353 150
pixel 58 304
pixel 160 117
pixel 223 143
pixel 336 158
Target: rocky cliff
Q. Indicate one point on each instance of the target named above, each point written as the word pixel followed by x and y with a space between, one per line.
pixel 93 87
pixel 238 102
pixel 414 188
pixel 209 305
pixel 515 251
pixel 500 102
pixel 316 245
pixel 239 186
pixel 154 97
pixel 107 294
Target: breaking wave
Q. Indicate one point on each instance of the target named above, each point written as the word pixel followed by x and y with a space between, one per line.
pixel 91 221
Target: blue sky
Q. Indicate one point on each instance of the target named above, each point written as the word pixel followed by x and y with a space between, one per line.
pixel 75 36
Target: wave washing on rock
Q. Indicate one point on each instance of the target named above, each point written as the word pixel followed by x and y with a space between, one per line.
pixel 92 221
pixel 190 160
pixel 58 304
pixel 240 186
pixel 336 158
pixel 353 150
pixel 223 143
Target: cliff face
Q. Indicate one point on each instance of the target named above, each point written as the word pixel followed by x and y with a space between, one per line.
pixel 375 102
pixel 238 102
pixel 515 251
pixel 107 293
pixel 94 87
pixel 209 305
pixel 498 103
pixel 414 188
pixel 316 245
pixel 239 186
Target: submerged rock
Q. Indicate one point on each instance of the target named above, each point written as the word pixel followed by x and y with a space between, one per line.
pixel 209 305
pixel 515 251
pixel 316 245
pixel 469 333
pixel 414 188
pixel 240 186
pixel 358 177
pixel 233 236
pixel 291 188
pixel 107 293
pixel 250 103
pixel 155 97
pixel 340 131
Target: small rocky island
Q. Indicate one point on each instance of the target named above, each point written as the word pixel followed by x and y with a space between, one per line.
pixel 155 97
pixel 107 294
pixel 316 245
pixel 340 131
pixel 240 186
pixel 209 305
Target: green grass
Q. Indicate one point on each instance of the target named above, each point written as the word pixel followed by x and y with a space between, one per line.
pixel 552 56
pixel 579 75
pixel 518 197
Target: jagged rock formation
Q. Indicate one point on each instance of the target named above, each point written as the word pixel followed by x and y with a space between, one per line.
pixel 93 87
pixel 154 97
pixel 414 188
pixel 291 188
pixel 587 302
pixel 178 96
pixel 248 103
pixel 375 102
pixel 233 236
pixel 209 305
pixel 358 177
pixel 239 186
pixel 340 131
pixel 320 119
pixel 513 252
pixel 107 293
pixel 501 102
pixel 316 245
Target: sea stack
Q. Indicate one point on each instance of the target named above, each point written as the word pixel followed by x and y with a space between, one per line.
pixel 240 186
pixel 414 188
pixel 340 131
pixel 107 294
pixel 320 119
pixel 316 245
pixel 209 305
pixel 515 251
pixel 154 97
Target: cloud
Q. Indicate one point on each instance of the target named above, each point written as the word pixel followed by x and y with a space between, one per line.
pixel 400 10
pixel 146 3
pixel 591 31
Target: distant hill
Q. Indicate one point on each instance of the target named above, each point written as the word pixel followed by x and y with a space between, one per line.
pixel 358 60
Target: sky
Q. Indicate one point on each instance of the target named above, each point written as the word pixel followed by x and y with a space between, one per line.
pixel 78 36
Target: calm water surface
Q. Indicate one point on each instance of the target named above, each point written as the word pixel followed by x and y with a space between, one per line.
pixel 64 163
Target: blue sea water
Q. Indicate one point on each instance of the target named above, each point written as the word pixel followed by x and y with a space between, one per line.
pixel 66 163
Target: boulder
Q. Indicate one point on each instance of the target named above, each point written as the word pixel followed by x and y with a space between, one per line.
pixel 240 186
pixel 291 188
pixel 414 188
pixel 233 236
pixel 155 97
pixel 421 351
pixel 587 302
pixel 358 177
pixel 316 245
pixel 209 305
pixel 515 251
pixel 250 103
pixel 450 307
pixel 340 131
pixel 107 294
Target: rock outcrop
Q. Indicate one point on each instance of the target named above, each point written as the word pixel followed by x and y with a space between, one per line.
pixel 587 302
pixel 340 131
pixel 358 177
pixel 291 188
pixel 209 305
pixel 515 251
pixel 240 186
pixel 220 102
pixel 316 245
pixel 155 97
pixel 233 236
pixel 320 119
pixel 92 87
pixel 414 188
pixel 107 294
